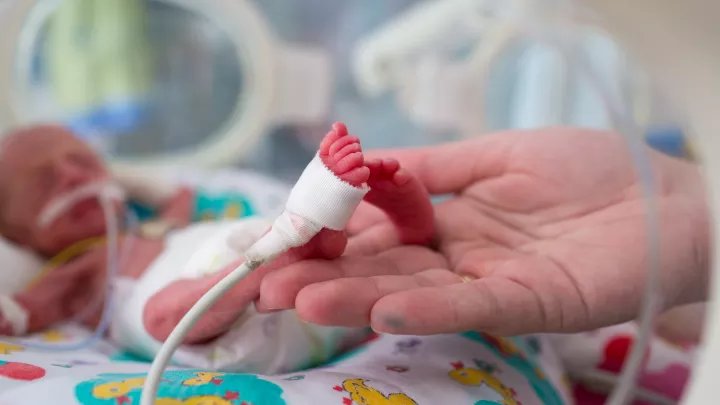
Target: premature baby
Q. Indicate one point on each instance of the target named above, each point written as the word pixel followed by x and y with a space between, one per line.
pixel 162 279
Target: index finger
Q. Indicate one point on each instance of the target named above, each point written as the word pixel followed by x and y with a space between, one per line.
pixel 280 288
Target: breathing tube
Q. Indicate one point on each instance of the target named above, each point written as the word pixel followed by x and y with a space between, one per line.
pixel 108 195
pixel 318 200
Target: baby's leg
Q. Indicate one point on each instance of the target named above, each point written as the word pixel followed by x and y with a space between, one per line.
pixel 394 190
pixel 342 154
pixel 403 198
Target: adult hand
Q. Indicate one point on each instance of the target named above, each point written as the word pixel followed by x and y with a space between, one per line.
pixel 549 224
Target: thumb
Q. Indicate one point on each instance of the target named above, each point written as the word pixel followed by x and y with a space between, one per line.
pixel 452 167
pixel 491 304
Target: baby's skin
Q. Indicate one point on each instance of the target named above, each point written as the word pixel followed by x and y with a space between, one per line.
pixel 64 163
pixel 38 164
pixel 393 190
pixel 542 223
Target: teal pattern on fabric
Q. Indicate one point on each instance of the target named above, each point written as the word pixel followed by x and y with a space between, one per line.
pixel 125 356
pixel 181 387
pixel 213 205
pixel 517 357
pixel 207 206
pixel 141 212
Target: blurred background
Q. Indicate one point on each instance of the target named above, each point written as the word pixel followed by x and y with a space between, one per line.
pixel 255 84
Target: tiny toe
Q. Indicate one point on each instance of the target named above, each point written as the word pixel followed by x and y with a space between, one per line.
pixel 341 143
pixel 349 162
pixel 374 165
pixel 347 150
pixel 340 129
pixel 402 177
pixel 357 177
pixel 329 139
pixel 390 165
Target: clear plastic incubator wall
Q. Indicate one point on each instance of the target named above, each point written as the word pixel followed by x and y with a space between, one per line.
pixel 237 94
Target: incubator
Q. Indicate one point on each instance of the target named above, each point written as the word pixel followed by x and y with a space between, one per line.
pixel 251 84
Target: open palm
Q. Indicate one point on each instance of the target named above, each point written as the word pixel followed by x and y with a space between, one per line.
pixel 544 231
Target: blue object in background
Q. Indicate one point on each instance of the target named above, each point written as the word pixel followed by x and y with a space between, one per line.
pixel 669 140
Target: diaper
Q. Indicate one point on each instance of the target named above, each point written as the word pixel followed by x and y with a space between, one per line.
pixel 259 343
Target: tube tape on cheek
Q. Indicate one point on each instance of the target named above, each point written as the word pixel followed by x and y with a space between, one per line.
pixel 322 198
pixel 14 314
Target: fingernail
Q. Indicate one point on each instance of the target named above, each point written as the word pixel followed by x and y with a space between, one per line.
pixel 388 324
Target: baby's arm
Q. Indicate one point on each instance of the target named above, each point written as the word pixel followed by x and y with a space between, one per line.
pixel 179 209
pixel 174 203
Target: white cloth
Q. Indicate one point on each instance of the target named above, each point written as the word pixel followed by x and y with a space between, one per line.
pixel 19 267
pixel 14 314
pixel 390 370
pixel 260 343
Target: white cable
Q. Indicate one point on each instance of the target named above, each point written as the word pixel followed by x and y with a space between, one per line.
pixel 318 200
pixel 186 323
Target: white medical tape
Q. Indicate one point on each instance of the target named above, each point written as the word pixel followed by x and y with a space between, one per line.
pixel 288 231
pixel 322 198
pixel 14 314
pixel 318 200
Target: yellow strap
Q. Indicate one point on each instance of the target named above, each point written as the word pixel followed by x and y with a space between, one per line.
pixel 65 256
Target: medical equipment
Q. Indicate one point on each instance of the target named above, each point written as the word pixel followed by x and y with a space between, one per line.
pixel 640 25
pixel 221 67
pixel 444 61
pixel 318 200
pixel 673 39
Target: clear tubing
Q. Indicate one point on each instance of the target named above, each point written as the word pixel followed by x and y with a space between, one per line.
pixel 112 228
pixel 604 380
pixel 132 223
pixel 652 300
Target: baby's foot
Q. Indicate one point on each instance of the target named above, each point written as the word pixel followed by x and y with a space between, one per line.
pixel 341 154
pixel 403 198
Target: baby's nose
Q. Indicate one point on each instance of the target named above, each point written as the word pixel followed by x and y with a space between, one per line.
pixel 71 175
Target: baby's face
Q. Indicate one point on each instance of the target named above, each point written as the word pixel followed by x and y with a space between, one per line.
pixel 36 166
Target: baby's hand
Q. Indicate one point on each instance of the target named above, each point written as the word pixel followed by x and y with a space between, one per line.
pixel 6 327
pixel 178 209
pixel 65 291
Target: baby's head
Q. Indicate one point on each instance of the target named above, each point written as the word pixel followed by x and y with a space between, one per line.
pixel 39 165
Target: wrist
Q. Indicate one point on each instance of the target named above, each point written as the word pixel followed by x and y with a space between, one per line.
pixel 14 316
